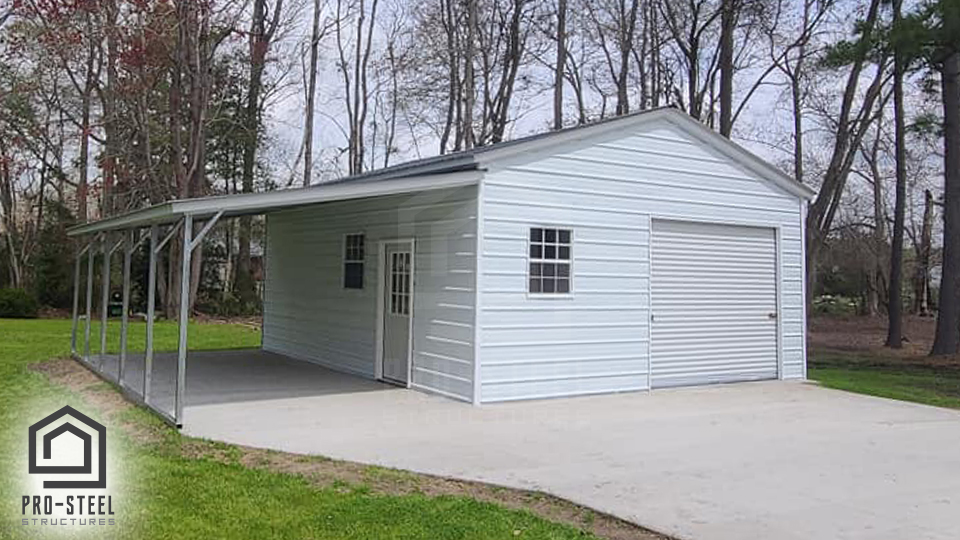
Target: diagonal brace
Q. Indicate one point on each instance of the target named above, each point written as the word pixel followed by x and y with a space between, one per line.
pixel 167 238
pixel 206 228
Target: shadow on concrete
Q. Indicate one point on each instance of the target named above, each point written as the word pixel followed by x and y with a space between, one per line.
pixel 232 376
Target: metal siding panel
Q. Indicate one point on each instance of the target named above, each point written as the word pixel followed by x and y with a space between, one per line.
pixel 713 288
pixel 309 315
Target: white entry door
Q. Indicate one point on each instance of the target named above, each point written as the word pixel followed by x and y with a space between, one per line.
pixel 714 303
pixel 397 312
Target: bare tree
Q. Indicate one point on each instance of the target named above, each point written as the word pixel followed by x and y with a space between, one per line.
pixel 851 124
pixel 353 68
pixel 316 34
pixel 613 28
pixel 790 54
pixel 690 26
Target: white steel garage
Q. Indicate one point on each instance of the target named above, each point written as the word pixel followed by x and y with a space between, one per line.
pixel 686 262
pixel 639 252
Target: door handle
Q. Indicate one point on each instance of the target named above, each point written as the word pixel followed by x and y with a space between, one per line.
pixel 771 315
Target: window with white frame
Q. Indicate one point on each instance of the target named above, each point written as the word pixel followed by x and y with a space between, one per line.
pixel 550 251
pixel 353 261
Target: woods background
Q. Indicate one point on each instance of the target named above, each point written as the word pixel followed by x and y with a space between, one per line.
pixel 107 106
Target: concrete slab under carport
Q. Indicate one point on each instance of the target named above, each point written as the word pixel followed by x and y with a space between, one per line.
pixel 234 377
pixel 768 460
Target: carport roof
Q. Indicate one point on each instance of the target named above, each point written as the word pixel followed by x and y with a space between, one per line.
pixel 258 203
pixel 449 170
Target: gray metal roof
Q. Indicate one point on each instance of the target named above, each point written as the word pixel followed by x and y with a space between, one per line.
pixel 467 159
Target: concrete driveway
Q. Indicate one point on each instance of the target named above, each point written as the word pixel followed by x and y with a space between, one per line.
pixel 771 461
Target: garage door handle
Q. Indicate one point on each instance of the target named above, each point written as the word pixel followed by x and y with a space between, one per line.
pixel 771 315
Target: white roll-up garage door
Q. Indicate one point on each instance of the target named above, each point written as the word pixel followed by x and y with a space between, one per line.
pixel 714 303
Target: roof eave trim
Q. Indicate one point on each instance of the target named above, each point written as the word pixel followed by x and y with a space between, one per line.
pixel 152 214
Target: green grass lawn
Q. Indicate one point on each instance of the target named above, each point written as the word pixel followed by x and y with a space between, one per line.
pixel 895 378
pixel 165 334
pixel 165 493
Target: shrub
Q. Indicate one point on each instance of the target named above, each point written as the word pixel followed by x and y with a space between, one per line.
pixel 17 303
pixel 827 304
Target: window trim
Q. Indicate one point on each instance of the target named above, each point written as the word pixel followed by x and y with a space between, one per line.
pixel 344 261
pixel 527 260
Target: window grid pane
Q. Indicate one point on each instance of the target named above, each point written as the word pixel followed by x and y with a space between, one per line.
pixel 400 283
pixel 353 258
pixel 550 253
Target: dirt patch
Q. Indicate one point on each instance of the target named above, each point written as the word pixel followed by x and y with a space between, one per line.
pixel 254 322
pixel 861 340
pixel 104 396
pixel 328 473
pixel 869 334
pixel 54 313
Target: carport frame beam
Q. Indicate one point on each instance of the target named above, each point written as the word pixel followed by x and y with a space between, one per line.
pixel 128 246
pixel 77 266
pixel 151 308
pixel 185 259
pixel 104 298
pixel 189 244
pixel 91 256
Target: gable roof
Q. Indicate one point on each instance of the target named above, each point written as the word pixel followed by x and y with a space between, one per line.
pixel 447 170
pixel 483 156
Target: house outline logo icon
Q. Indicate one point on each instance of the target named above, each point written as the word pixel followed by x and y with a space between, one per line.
pixel 87 467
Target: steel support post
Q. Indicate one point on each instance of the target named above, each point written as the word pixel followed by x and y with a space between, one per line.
pixel 151 308
pixel 91 255
pixel 128 245
pixel 76 303
pixel 104 300
pixel 184 315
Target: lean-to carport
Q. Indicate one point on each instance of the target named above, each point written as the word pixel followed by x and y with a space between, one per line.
pixel 188 221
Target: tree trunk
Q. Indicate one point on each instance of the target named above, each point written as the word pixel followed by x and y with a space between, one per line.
pixel 922 279
pixel 83 162
pixel 362 92
pixel 561 62
pixel 469 92
pixel 171 286
pixel 947 338
pixel 7 217
pixel 874 272
pixel 109 101
pixel 627 25
pixel 259 42
pixel 311 96
pixel 895 304
pixel 796 102
pixel 728 21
